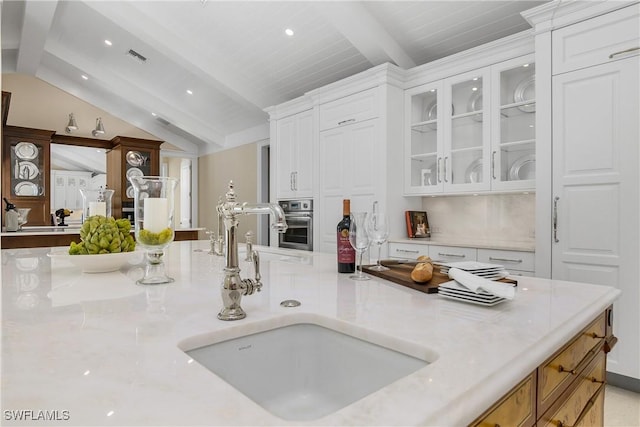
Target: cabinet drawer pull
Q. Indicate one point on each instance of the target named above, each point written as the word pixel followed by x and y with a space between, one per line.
pixel 633 49
pixel 344 122
pixel 407 251
pixel 584 411
pixel 504 259
pixel 596 336
pixel 574 371
pixel 455 255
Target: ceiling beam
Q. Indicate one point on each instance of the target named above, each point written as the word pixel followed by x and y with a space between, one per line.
pixel 37 19
pixel 365 33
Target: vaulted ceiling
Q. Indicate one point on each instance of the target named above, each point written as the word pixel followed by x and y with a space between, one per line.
pixel 234 56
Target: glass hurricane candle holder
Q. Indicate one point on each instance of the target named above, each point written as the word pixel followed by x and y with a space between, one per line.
pixel 154 201
pixel 96 202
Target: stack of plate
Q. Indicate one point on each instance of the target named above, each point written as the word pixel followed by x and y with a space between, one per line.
pixel 455 291
pixel 482 269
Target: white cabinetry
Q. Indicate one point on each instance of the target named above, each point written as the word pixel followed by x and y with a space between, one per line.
pixel 592 72
pixel 66 189
pixel 472 132
pixel 294 156
pixel 350 161
pixel 517 263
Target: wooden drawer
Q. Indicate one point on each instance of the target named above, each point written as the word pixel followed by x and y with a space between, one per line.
pixel 348 110
pixel 452 253
pixel 512 260
pixel 591 42
pixel 517 408
pixel 579 407
pixel 407 250
pixel 555 375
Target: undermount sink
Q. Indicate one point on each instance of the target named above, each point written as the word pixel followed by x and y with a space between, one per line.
pixel 304 370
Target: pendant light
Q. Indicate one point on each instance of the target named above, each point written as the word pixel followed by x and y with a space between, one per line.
pixel 99 130
pixel 72 125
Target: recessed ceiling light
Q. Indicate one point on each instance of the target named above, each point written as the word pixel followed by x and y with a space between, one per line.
pixel 153 114
pixel 108 42
pixel 85 77
pixel 288 32
pixel 189 92
pixel 474 88
pixel 525 65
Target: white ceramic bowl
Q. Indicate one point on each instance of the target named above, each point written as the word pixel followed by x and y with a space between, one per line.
pixel 99 263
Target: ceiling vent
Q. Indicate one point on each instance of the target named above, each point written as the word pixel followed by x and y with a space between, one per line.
pixel 163 121
pixel 136 55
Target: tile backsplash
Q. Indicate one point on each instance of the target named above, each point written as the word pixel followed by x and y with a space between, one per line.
pixel 505 217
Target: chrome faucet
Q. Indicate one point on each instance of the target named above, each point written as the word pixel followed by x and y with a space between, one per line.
pixel 233 286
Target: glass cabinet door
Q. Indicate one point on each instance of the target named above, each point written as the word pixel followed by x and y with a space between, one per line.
pixel 425 145
pixel 27 166
pixel 513 145
pixel 466 133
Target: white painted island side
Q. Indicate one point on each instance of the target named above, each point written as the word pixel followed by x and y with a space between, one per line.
pixel 105 351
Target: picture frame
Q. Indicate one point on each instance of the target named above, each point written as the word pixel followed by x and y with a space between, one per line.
pixel 417 224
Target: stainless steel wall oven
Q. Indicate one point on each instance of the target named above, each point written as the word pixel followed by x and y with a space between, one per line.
pixel 299 215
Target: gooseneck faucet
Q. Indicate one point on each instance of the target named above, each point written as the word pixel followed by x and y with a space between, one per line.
pixel 233 286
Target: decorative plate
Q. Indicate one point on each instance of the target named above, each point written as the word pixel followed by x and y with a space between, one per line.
pixel 130 192
pixel 523 168
pixel 134 172
pixel 26 189
pixel 474 172
pixel 134 158
pixel 27 170
pixel 526 91
pixel 475 104
pixel 26 150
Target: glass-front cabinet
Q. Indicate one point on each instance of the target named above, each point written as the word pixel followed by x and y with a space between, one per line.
pixel 483 140
pixel 425 149
pixel 513 125
pixel 466 132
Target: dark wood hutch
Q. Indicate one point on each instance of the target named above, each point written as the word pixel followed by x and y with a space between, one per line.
pixel 26 166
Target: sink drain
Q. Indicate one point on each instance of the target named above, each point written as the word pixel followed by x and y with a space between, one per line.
pixel 290 303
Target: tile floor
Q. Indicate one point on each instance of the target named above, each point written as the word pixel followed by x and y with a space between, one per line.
pixel 621 407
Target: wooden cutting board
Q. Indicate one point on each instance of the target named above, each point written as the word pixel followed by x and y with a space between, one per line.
pixel 401 274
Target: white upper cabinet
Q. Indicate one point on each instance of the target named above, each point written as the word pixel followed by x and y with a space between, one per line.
pixel 513 125
pixel 349 110
pixel 473 132
pixel 294 156
pixel 466 132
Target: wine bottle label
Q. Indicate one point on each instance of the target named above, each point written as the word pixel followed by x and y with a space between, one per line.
pixel 346 253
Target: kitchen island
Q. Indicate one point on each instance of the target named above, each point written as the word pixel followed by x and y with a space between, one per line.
pixel 100 350
pixel 43 236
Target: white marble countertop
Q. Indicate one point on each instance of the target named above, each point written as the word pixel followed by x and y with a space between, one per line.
pixel 499 244
pixel 106 350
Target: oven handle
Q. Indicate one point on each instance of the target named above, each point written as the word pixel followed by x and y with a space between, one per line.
pixel 298 217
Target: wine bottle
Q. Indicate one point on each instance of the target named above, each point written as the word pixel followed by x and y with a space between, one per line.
pixel 346 253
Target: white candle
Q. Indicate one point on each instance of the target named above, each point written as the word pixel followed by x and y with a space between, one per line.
pixel 156 214
pixel 97 208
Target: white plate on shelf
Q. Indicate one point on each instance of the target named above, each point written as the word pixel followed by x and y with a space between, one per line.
pixel 526 91
pixel 26 150
pixel 26 189
pixel 473 174
pixel 475 104
pixel 134 172
pixel 27 170
pixel 130 192
pixel 523 168
pixel 429 175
